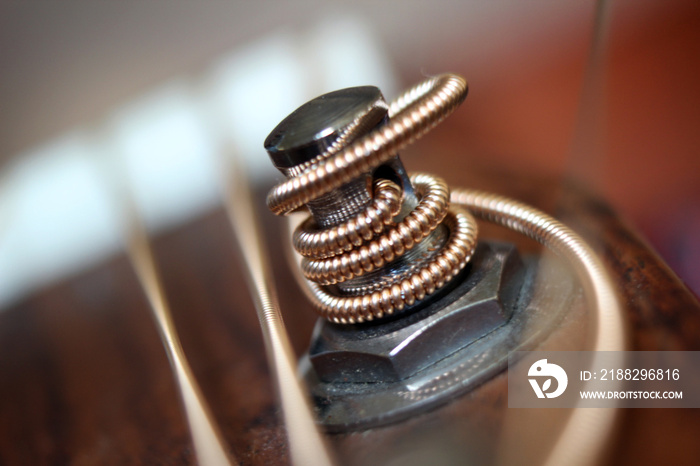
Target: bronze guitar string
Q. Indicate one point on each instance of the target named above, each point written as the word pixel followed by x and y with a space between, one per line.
pixel 344 252
pixel 411 116
pixel 372 239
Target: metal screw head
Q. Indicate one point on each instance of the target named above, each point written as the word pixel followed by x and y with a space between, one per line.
pixel 323 123
pixel 320 128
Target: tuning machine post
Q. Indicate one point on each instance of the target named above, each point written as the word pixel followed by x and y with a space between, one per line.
pixel 413 311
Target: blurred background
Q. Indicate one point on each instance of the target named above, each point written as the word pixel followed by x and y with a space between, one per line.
pixel 97 94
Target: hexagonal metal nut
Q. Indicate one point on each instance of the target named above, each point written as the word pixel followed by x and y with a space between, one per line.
pixel 480 300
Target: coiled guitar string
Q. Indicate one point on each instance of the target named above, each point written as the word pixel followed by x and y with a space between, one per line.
pixel 372 238
pixel 337 254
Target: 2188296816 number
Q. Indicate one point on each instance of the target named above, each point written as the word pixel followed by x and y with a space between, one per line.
pixel 640 374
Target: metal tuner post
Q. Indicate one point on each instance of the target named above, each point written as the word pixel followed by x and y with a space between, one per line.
pixel 406 294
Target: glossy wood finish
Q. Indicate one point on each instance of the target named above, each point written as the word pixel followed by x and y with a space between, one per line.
pixel 84 379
